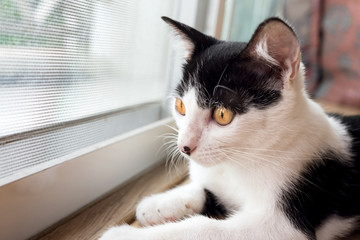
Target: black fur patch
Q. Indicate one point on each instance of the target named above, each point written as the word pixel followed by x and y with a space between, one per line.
pixel 326 189
pixel 212 207
pixel 224 74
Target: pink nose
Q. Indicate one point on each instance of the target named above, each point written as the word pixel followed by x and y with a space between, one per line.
pixel 187 149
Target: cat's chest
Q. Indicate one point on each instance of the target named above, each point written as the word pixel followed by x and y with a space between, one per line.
pixel 236 189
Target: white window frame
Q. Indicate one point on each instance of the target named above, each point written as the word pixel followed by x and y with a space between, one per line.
pixel 89 173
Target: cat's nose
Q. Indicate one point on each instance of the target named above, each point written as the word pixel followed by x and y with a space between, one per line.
pixel 187 150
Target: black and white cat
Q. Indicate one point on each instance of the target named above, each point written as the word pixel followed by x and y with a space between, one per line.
pixel 260 151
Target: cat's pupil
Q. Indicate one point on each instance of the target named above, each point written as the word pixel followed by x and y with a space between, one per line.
pixel 222 114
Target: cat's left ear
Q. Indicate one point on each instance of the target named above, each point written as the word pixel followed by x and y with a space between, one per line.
pixel 194 41
pixel 276 42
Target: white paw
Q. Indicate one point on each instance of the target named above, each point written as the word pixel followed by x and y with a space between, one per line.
pixel 169 207
pixel 124 232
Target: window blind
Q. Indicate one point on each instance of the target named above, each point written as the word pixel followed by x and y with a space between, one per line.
pixel 69 68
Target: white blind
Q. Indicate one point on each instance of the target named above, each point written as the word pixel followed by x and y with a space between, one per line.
pixel 63 61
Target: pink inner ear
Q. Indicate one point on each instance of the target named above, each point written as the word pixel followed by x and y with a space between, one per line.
pixel 284 47
pixel 189 47
pixel 188 44
pixel 281 42
pixel 280 45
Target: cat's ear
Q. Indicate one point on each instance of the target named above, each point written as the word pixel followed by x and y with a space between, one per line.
pixel 276 42
pixel 194 41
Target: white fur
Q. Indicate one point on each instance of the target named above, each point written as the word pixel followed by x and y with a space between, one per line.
pixel 261 50
pixel 170 206
pixel 244 226
pixel 336 227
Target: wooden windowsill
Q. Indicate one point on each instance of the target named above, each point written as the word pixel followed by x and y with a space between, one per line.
pixel 116 207
pixel 119 206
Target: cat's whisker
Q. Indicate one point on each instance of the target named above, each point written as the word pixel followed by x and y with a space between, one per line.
pixel 268 150
pixel 277 167
pixel 169 133
pixel 172 157
pixel 166 145
pixel 164 141
pixel 220 78
pixel 261 154
pixel 255 155
pixel 169 137
pixel 236 161
pixel 226 88
pixel 282 168
pixel 171 127
pixel 176 160
pixel 258 149
pixel 265 157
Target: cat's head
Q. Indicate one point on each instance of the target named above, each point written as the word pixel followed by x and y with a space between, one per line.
pixel 235 95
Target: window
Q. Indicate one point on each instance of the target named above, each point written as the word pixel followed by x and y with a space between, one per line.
pixel 75 63
pixel 83 87
pixel 243 17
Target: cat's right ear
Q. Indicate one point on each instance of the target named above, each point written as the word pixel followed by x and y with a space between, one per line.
pixel 193 40
pixel 276 42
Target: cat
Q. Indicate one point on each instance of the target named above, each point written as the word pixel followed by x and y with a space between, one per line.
pixel 265 161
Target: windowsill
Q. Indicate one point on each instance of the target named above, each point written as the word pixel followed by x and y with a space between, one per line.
pixel 116 207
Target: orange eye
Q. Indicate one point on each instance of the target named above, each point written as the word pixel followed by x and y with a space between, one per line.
pixel 223 116
pixel 180 107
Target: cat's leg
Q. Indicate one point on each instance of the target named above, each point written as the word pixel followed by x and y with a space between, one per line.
pixel 246 227
pixel 172 205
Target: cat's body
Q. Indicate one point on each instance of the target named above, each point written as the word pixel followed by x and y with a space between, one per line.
pixel 261 152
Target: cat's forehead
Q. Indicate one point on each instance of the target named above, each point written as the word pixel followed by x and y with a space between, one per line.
pixel 222 51
pixel 224 75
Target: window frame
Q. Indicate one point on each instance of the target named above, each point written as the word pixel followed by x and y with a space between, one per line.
pixel 46 193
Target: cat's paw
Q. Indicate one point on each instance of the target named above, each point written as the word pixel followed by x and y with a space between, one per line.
pixel 168 207
pixel 123 232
